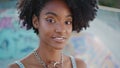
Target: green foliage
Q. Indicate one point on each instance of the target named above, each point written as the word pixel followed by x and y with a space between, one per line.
pixel 110 3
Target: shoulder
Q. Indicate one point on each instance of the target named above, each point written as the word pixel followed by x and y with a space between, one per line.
pixel 13 66
pixel 80 63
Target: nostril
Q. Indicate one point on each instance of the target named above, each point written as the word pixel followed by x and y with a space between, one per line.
pixel 60 27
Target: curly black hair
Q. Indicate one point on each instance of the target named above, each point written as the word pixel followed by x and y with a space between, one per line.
pixel 82 11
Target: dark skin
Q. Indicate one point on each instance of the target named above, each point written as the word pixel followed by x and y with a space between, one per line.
pixel 55 27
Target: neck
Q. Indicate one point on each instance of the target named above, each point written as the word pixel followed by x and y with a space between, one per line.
pixel 48 54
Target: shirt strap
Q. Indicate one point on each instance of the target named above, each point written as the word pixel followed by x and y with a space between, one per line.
pixel 73 62
pixel 19 64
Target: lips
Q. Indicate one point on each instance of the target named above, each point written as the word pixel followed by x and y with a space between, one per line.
pixel 59 39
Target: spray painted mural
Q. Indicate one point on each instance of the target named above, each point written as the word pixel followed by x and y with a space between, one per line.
pixel 16 42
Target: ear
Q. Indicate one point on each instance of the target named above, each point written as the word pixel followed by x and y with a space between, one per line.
pixel 35 22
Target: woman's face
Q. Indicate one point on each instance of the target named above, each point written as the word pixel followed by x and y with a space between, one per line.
pixel 55 24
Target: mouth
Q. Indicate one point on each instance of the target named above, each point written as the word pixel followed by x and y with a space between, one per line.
pixel 59 39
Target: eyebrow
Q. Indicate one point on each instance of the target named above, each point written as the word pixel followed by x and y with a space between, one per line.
pixel 69 16
pixel 52 13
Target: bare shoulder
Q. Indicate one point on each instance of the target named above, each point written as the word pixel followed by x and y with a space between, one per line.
pixel 80 63
pixel 13 66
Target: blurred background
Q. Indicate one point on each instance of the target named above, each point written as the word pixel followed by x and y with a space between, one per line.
pixel 98 46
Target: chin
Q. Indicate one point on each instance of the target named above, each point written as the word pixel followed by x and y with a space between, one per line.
pixel 59 46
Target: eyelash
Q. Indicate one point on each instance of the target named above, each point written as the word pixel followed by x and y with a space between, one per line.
pixel 68 22
pixel 51 20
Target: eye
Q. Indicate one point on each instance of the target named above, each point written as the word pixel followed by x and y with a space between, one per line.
pixel 50 20
pixel 68 22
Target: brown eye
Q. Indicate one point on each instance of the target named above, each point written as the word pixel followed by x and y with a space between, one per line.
pixel 68 22
pixel 50 20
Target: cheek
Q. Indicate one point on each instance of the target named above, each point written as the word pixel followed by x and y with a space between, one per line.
pixel 45 29
pixel 45 33
pixel 70 29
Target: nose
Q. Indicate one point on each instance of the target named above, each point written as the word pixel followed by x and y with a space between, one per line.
pixel 60 28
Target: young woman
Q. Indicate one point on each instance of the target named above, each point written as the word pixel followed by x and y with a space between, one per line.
pixel 53 21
